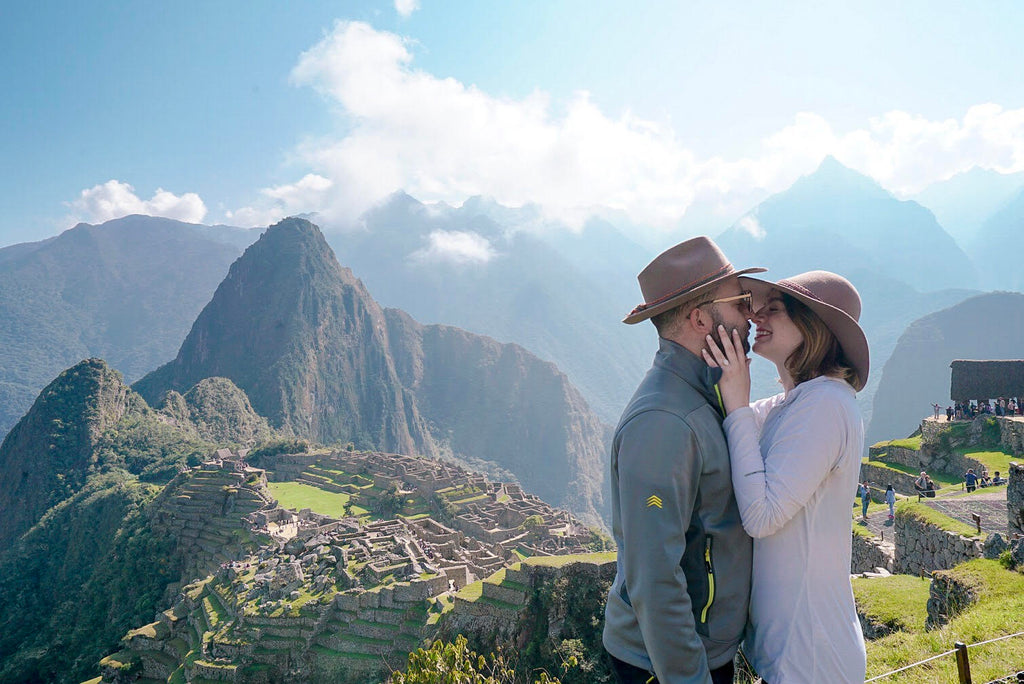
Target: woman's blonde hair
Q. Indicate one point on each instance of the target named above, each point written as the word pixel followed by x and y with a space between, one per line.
pixel 819 353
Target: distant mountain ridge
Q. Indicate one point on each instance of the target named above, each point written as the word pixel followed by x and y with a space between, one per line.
pixel 125 291
pixel 845 222
pixel 321 359
pixel 964 202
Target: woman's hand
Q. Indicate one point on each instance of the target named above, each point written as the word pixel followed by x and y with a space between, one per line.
pixel 735 382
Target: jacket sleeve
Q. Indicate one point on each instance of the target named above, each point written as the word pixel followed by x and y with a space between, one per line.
pixel 772 489
pixel 658 456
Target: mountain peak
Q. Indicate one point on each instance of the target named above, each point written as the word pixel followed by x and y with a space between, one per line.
pixel 46 457
pixel 834 176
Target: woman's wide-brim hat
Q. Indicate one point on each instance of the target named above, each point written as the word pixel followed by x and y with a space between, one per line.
pixel 835 301
pixel 681 273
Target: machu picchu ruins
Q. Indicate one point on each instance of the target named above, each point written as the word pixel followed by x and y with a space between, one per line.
pixel 269 593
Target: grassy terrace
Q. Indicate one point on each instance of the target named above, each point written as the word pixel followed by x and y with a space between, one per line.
pixel 931 516
pixel 908 443
pixel 296 496
pixel 899 601
pixel 997 613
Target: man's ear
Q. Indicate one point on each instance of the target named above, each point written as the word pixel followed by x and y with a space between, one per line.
pixel 700 321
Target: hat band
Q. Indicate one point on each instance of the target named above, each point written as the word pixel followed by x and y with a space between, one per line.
pixel 802 290
pixel 689 286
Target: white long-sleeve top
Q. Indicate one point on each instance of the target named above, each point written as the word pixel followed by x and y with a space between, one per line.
pixel 795 466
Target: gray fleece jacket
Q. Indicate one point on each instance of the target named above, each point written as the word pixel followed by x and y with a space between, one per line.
pixel 678 605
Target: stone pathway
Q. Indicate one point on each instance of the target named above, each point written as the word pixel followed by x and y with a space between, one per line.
pixel 991 506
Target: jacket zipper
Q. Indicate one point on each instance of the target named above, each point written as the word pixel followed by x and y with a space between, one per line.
pixel 710 568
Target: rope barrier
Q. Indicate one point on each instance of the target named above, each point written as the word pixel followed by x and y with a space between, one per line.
pixel 889 674
pixel 941 655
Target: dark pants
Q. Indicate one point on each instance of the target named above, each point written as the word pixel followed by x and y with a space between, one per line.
pixel 631 674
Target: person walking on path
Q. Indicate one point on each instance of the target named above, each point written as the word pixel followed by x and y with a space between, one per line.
pixel 864 492
pixel 678 605
pixel 890 498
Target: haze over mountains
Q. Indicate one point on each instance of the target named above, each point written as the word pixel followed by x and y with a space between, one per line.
pixel 128 290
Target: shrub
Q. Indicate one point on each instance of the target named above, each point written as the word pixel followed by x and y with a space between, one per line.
pixel 455 663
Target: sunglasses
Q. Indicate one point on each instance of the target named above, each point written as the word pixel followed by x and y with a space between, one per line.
pixel 745 301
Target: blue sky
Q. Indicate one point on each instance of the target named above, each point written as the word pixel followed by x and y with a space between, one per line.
pixel 241 112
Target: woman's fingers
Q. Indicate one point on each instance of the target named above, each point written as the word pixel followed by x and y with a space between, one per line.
pixel 716 351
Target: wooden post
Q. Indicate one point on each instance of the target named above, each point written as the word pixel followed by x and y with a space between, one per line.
pixel 963 666
pixel 977 521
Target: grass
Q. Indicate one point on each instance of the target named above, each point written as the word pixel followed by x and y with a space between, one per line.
pixel 993 460
pixel 931 516
pixel 562 561
pixel 899 601
pixel 907 443
pixel 297 495
pixel 997 613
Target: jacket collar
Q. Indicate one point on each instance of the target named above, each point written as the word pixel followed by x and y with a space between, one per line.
pixel 692 369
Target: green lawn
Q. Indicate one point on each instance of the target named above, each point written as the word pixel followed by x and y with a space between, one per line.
pixel 997 613
pixel 900 600
pixel 297 495
pixel 993 460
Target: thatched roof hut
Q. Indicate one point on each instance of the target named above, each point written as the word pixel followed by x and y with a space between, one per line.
pixel 986 380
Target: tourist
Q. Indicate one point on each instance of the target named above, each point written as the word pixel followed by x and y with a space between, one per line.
pixel 864 492
pixel 795 463
pixel 984 480
pixel 677 608
pixel 949 413
pixel 929 488
pixel 890 498
pixel 935 411
pixel 971 480
pixel 997 480
pixel 921 482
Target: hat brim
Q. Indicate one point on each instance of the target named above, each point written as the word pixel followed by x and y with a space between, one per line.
pixel 848 332
pixel 642 315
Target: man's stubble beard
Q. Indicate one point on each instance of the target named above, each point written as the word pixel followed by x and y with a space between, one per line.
pixel 717 319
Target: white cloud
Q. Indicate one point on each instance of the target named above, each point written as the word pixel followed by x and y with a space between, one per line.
pixel 406 7
pixel 455 247
pixel 751 225
pixel 441 140
pixel 115 199
pixel 310 192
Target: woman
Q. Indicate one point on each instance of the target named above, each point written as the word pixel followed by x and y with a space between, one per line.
pixel 890 498
pixel 795 465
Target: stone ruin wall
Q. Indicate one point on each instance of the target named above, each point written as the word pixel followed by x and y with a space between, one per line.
pixel 947 598
pixel 870 553
pixel 921 547
pixel 1015 499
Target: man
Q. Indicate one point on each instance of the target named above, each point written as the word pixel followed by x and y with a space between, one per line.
pixel 921 482
pixel 678 606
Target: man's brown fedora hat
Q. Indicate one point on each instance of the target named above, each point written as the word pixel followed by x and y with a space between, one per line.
pixel 835 301
pixel 680 273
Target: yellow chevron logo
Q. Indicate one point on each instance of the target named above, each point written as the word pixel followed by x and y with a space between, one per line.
pixel 654 500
